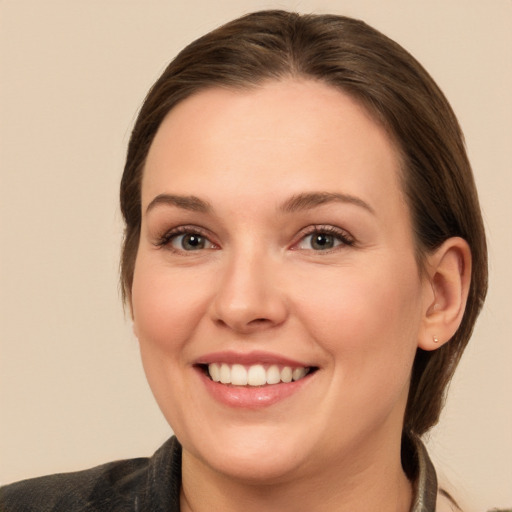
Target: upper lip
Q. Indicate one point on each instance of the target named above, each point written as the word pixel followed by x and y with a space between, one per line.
pixel 250 358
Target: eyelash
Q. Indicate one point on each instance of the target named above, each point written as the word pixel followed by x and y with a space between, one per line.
pixel 341 235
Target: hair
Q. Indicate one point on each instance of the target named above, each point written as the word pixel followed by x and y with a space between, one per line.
pixel 396 90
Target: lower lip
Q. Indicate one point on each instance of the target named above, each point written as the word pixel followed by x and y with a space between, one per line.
pixel 256 397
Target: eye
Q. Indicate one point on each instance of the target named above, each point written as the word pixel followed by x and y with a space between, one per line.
pixel 324 239
pixel 190 242
pixel 320 241
pixel 184 239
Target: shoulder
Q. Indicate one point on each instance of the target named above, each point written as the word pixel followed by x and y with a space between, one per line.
pixel 106 485
pixel 115 486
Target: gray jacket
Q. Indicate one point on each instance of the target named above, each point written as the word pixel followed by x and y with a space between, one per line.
pixel 153 485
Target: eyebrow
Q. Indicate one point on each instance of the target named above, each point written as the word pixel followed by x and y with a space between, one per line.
pixel 297 202
pixel 310 200
pixel 191 203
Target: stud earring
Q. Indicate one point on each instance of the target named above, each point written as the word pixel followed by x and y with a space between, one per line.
pixel 436 340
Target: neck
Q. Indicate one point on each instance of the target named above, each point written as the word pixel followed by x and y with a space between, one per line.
pixel 373 483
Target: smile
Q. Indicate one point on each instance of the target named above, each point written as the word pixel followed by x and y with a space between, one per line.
pixel 254 375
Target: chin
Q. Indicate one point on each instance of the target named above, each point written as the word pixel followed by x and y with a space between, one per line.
pixel 259 469
pixel 253 455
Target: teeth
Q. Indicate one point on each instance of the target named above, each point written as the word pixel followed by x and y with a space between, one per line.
pixel 214 372
pixel 298 373
pixel 225 374
pixel 273 375
pixel 239 375
pixel 254 375
pixel 286 374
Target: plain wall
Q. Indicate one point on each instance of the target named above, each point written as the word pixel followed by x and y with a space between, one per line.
pixel 72 75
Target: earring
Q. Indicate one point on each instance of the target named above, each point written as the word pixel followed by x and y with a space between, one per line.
pixel 436 340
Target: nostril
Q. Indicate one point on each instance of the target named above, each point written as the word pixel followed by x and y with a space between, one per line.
pixel 258 321
pixel 241 326
pixel 221 323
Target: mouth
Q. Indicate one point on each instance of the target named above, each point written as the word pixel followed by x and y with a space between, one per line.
pixel 254 380
pixel 255 375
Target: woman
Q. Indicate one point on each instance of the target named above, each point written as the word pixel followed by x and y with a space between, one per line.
pixel 304 261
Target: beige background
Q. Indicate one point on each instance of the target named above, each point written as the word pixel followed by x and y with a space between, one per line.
pixel 73 73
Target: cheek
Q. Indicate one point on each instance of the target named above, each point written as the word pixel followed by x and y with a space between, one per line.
pixel 368 321
pixel 167 308
pixel 166 305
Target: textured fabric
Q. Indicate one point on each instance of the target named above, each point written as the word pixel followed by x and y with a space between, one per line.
pixel 135 485
pixel 153 485
pixel 425 483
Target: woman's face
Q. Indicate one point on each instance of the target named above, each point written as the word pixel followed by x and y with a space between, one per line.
pixel 276 244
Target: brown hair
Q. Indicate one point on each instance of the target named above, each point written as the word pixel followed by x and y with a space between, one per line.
pixel 355 58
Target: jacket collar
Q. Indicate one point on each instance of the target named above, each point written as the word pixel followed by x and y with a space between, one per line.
pixel 163 481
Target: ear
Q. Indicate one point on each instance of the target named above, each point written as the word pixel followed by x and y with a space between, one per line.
pixel 448 271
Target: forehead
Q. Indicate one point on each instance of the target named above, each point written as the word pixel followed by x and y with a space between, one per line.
pixel 304 133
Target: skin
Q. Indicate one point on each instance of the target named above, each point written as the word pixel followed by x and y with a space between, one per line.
pixel 357 311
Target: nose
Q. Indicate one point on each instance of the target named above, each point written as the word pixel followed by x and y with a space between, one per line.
pixel 248 297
